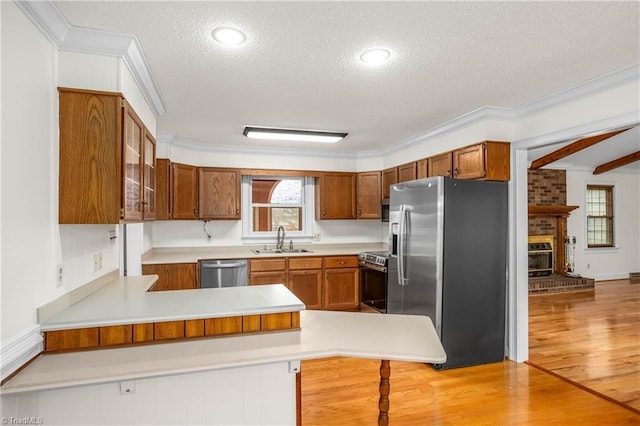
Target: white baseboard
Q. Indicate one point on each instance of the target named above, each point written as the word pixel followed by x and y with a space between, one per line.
pixel 19 349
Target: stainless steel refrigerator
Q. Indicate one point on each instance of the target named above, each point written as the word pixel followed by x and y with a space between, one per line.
pixel 448 260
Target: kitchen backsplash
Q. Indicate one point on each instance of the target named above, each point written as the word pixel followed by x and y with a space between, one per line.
pixel 190 233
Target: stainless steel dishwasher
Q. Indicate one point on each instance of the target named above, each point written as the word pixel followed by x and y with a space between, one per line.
pixel 223 273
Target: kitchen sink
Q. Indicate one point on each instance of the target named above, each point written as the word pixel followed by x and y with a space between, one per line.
pixel 263 251
pixel 274 250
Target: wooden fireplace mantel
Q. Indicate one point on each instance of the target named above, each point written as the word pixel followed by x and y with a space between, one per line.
pixel 554 210
pixel 560 213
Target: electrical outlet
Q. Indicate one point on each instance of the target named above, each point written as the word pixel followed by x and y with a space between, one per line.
pixel 59 275
pixel 127 388
pixel 316 236
pixel 97 262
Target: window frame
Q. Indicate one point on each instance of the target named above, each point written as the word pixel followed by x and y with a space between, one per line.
pixel 609 215
pixel 269 237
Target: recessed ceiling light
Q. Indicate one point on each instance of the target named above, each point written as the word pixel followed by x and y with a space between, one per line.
pixel 292 134
pixel 375 56
pixel 228 36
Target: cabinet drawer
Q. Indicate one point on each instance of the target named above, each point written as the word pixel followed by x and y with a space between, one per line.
pixel 341 262
pixel 262 265
pixel 260 278
pixel 305 263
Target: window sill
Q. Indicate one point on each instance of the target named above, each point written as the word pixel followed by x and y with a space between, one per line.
pixel 594 250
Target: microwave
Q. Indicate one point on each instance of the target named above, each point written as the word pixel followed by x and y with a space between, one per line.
pixel 384 210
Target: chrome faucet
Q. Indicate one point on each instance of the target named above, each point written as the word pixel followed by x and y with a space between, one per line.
pixel 280 238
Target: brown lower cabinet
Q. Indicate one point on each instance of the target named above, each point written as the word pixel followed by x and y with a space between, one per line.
pixel 173 276
pixel 330 282
pixel 305 280
pixel 341 283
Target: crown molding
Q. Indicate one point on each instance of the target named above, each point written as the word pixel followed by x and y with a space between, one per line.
pixel 55 27
pixel 485 113
pixel 588 88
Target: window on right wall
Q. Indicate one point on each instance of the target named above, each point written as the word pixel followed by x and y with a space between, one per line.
pixel 599 216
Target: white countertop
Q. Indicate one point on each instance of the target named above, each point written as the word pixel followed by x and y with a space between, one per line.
pixel 126 301
pixel 161 255
pixel 323 334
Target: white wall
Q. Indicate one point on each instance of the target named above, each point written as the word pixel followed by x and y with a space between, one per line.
pixel 257 395
pixel 602 264
pixel 190 233
pixel 33 243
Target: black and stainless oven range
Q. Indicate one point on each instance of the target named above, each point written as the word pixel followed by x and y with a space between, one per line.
pixel 373 279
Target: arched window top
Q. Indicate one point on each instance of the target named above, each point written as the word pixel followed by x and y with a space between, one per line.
pixel 287 192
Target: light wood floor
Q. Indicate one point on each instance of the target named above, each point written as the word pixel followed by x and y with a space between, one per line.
pixel 344 391
pixel 591 338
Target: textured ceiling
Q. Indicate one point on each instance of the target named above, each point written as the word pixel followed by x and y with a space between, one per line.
pixel 300 66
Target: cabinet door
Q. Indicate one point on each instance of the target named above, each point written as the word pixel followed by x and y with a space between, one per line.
pixel 133 164
pixel 162 189
pixel 172 276
pixel 469 162
pixel 184 191
pixel 407 172
pixel 369 195
pixel 307 286
pixel 218 193
pixel 389 177
pixel 341 289
pixel 90 167
pixel 149 198
pixel 422 168
pixel 336 196
pixel 182 276
pixel 440 165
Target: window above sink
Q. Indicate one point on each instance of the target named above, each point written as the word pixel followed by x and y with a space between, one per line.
pixel 272 201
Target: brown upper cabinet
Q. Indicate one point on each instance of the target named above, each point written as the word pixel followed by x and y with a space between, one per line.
pixel 407 172
pixel 163 206
pixel 369 187
pixel 219 193
pixel 440 165
pixel 486 160
pixel 149 178
pixel 422 168
pixel 107 160
pixel 184 191
pixel 336 195
pixel 389 177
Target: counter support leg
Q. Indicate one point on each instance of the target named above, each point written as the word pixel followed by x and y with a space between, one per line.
pixel 383 402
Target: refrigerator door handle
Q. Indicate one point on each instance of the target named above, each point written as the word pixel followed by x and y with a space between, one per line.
pixel 402 235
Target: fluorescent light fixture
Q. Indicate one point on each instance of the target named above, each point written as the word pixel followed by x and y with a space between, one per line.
pixel 292 134
pixel 375 56
pixel 228 36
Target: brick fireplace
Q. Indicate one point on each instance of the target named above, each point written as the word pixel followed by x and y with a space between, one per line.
pixel 548 212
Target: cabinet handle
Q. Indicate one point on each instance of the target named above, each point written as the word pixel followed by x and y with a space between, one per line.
pixel 237 211
pixel 449 173
pixel 342 262
pixel 324 212
pixel 145 206
pixel 455 172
